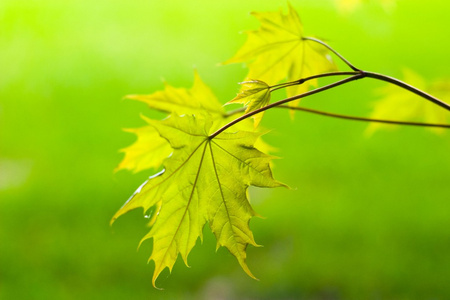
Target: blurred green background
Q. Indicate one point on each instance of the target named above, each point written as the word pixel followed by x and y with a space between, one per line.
pixel 368 218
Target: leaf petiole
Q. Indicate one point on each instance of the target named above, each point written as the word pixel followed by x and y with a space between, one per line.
pixel 359 75
pixel 381 76
pixel 408 87
pixel 332 50
pixel 303 80
pixel 346 117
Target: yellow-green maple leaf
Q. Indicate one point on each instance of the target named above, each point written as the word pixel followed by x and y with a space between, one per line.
pixel 399 104
pixel 254 94
pixel 205 180
pixel 277 51
pixel 197 100
pixel 150 149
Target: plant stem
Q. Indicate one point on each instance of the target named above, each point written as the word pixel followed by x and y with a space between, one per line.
pixel 303 80
pixel 332 50
pixel 347 117
pixel 318 112
pixel 306 94
pixel 357 74
pixel 372 75
pixel 383 77
pixel 407 87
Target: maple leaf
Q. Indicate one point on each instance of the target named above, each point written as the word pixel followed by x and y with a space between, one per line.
pixel 197 100
pixel 205 180
pixel 149 150
pixel 398 103
pixel 278 51
pixel 254 94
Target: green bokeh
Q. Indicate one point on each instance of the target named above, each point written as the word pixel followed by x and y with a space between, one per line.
pixel 368 218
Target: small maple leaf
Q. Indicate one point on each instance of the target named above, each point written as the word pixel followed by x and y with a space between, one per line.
pixel 278 51
pixel 205 180
pixel 398 103
pixel 254 94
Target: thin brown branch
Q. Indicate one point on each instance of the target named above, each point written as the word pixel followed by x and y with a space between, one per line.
pixel 347 117
pixel 384 77
pixel 408 87
pixel 357 74
pixel 306 94
pixel 303 80
pixel 340 116
pixel 332 50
